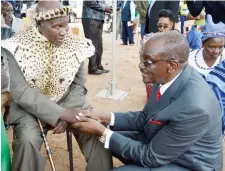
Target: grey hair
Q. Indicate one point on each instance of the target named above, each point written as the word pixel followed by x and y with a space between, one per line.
pixel 175 45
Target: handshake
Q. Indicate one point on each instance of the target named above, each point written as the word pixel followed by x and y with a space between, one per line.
pixel 89 121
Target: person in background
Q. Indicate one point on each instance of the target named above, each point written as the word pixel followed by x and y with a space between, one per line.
pixel 6 31
pixel 118 19
pixel 183 15
pixel 18 8
pixel 153 12
pixel 7 11
pixel 210 60
pixel 194 35
pixel 212 52
pixel 93 16
pixel 166 22
pixel 141 8
pixel 216 79
pixel 215 8
pixel 128 16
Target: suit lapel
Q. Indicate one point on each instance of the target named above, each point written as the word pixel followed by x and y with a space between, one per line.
pixel 170 93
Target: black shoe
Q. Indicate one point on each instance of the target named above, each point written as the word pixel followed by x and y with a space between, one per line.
pixel 97 72
pixel 103 70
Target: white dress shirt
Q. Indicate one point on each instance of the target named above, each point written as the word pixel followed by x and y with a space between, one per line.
pixel 162 90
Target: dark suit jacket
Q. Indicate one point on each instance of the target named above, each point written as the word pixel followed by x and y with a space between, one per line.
pixel 215 8
pixel 151 21
pixel 190 131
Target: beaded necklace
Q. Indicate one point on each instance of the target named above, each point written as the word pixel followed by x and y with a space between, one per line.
pixel 209 68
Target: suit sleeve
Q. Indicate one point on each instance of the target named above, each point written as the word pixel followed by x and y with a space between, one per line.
pixel 30 99
pixel 195 7
pixel 95 5
pixel 76 97
pixel 174 7
pixel 168 144
pixel 131 121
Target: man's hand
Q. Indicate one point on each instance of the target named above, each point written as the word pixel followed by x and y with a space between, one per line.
pixel 60 127
pixel 108 9
pixel 70 116
pixel 99 116
pixel 89 125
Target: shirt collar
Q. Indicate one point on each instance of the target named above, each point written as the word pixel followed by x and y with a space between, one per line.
pixel 164 87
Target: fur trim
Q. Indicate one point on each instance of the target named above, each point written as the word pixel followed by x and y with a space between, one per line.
pixel 56 13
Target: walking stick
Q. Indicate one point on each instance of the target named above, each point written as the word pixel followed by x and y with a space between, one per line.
pixel 48 151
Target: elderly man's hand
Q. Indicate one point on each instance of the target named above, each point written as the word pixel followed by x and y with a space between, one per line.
pixel 88 125
pixel 60 127
pixel 70 116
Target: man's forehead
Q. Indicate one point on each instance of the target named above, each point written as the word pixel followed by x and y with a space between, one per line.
pixel 60 19
pixel 6 6
pixel 153 47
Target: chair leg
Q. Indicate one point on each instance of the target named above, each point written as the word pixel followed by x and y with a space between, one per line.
pixel 67 139
pixel 70 148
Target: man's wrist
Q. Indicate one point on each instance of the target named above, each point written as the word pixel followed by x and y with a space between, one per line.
pixel 107 119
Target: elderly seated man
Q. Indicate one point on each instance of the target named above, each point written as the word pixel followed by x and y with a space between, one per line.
pixel 47 83
pixel 179 128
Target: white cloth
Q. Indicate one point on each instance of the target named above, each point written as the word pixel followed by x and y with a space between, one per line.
pixel 201 61
pixel 132 9
pixel 17 24
pixel 162 90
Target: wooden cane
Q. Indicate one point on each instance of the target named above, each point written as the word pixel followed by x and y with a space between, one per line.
pixel 48 151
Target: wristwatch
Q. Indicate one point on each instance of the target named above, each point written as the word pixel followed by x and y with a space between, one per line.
pixel 103 137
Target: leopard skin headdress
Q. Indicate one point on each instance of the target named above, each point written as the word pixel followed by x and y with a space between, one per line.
pixel 50 14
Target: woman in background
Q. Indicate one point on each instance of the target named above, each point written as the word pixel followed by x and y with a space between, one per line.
pixel 210 60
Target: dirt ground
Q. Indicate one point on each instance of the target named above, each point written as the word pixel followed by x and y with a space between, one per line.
pixel 128 78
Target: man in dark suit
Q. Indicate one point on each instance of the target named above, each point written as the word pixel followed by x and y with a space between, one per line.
pixel 215 8
pixel 179 128
pixel 153 12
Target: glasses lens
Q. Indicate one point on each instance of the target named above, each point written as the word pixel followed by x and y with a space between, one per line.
pixel 162 26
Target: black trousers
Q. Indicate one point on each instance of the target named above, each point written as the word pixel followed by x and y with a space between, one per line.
pixel 131 166
pixel 93 31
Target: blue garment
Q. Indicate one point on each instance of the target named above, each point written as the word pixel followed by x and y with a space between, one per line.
pixel 182 20
pixel 216 78
pixel 119 4
pixel 127 33
pixel 126 13
pixel 142 30
pixel 194 38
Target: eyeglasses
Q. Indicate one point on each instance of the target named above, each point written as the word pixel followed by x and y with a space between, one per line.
pixel 165 26
pixel 148 63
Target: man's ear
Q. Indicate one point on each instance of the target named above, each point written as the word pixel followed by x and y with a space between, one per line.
pixel 172 66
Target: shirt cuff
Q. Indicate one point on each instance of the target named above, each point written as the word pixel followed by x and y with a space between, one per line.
pixel 112 121
pixel 108 136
